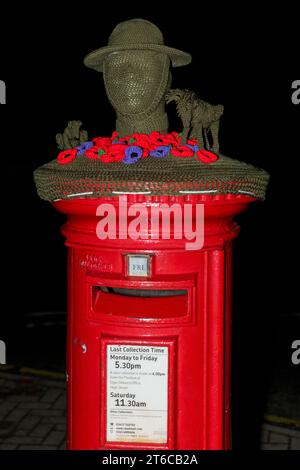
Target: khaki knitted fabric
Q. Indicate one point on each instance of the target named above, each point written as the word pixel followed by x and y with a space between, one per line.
pixel 136 34
pixel 136 83
pixel 136 71
pixel 157 176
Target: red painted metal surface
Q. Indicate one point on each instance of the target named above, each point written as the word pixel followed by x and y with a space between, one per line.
pixel 195 327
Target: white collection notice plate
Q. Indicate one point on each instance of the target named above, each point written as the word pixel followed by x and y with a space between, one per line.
pixel 137 393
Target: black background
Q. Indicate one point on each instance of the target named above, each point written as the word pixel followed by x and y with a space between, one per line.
pixel 243 59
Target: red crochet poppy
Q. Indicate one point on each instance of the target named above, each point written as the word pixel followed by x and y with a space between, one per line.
pixel 102 142
pixel 206 156
pixel 124 140
pixel 115 153
pixel 192 142
pixel 145 151
pixel 173 139
pixel 93 153
pixel 157 139
pixel 182 151
pixel 142 140
pixel 66 156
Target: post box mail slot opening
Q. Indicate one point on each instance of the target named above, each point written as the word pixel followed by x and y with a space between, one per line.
pixel 141 303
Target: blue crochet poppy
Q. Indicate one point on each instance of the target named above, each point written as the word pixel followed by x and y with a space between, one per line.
pixel 132 154
pixel 83 147
pixel 161 151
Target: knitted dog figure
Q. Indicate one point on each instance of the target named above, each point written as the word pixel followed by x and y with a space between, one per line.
pixel 198 117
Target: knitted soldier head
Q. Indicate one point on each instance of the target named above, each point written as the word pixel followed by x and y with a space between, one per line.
pixel 136 68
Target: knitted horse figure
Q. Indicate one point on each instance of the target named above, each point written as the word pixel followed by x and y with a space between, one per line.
pixel 198 117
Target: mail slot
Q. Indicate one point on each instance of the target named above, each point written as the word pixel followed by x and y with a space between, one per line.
pixel 149 333
pixel 142 304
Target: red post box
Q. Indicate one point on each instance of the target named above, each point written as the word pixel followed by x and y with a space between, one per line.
pixel 149 317
pixel 149 330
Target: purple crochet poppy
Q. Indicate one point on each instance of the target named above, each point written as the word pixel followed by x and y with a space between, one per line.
pixel 195 148
pixel 161 151
pixel 83 147
pixel 132 154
